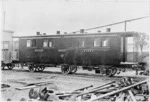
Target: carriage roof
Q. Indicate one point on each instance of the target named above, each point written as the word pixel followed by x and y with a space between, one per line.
pixel 127 34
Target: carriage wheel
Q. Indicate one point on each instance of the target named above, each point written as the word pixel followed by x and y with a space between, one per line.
pixel 3 66
pixel 73 69
pixel 41 68
pixel 66 69
pixel 10 66
pixel 109 72
pixel 32 68
pixel 33 94
pixel 114 70
pixel 123 70
pixel 36 69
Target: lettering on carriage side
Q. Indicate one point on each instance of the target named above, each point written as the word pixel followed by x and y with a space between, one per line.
pixel 38 50
pixel 88 50
pixel 61 50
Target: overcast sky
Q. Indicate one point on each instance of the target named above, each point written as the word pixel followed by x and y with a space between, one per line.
pixel 26 17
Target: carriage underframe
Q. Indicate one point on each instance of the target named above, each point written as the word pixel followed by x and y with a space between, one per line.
pixel 71 69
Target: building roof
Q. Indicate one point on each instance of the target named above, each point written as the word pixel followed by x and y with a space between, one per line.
pixel 9 31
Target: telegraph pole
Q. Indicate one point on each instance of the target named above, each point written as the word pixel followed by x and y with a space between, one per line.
pixel 3 13
pixel 125 26
pixel 124 42
pixel 4 21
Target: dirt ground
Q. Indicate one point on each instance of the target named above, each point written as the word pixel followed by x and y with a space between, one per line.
pixel 18 77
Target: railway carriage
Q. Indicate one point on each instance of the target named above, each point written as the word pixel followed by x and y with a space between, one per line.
pixel 103 52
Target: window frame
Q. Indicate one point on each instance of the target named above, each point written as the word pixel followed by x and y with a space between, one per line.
pixel 107 43
pixel 29 44
pixel 94 42
pixel 50 44
pixel 33 43
pixel 47 42
pixel 81 43
pixel 6 42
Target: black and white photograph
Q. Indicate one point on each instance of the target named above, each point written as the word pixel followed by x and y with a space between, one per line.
pixel 75 50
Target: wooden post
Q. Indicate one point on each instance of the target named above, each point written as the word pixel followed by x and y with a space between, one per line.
pixel 96 88
pixel 132 96
pixel 125 26
pixel 83 88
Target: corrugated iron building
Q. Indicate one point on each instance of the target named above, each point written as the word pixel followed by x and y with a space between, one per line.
pixel 7 46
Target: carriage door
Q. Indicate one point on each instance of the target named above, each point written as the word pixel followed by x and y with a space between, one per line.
pixel 131 49
pixel 61 49
pixel 39 51
pixel 15 55
pixel 6 52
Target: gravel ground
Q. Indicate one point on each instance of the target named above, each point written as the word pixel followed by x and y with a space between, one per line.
pixel 18 77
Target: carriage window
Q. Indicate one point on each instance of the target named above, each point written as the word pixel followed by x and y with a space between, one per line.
pixel 130 44
pixel 16 45
pixel 5 45
pixel 81 43
pixel 45 43
pixel 105 42
pixel 50 44
pixel 31 43
pixel 97 42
